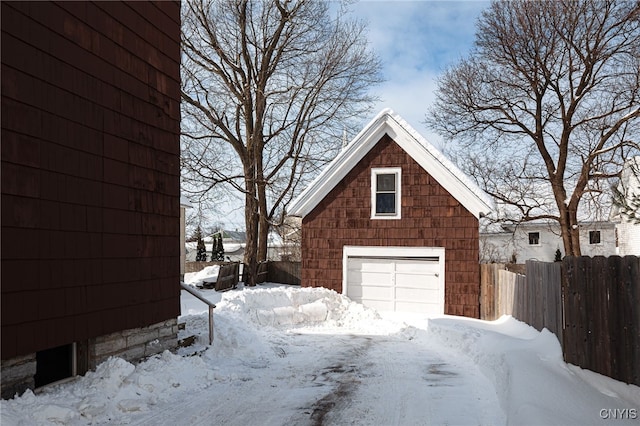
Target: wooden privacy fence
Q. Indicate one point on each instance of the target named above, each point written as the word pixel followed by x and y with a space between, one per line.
pixel 283 272
pixel 602 315
pixel 534 298
pixel 591 304
pixel 199 266
pixel 539 300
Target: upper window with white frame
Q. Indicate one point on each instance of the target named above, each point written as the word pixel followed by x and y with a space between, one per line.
pixel 385 193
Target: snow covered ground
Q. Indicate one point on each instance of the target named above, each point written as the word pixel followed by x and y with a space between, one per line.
pixel 301 356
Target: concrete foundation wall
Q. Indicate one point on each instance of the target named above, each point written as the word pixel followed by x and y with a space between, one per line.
pixel 135 344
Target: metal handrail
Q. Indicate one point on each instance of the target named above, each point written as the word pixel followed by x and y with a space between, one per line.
pixel 208 302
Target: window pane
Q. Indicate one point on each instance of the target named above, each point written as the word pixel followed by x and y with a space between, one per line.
pixel 594 237
pixel 386 203
pixel 386 182
pixel 534 238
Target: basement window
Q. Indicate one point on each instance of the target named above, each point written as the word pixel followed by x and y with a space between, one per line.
pixel 385 193
pixel 55 364
pixel 594 237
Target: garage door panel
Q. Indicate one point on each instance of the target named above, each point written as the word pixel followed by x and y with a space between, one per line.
pixel 369 278
pixel 421 267
pixel 370 292
pixel 417 281
pixel 374 265
pixel 413 294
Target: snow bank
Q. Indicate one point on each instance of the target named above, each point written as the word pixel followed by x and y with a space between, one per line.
pixel 208 272
pixel 116 388
pixel 533 383
pixel 285 306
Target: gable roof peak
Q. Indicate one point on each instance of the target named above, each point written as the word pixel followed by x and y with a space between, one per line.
pixel 430 159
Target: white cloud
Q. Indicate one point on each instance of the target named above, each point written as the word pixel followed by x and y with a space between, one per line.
pixel 416 41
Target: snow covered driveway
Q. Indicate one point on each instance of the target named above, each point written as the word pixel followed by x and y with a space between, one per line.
pixel 298 356
pixel 329 363
pixel 404 380
pixel 329 379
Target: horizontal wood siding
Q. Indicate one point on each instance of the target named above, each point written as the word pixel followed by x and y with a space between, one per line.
pixel 431 217
pixel 90 170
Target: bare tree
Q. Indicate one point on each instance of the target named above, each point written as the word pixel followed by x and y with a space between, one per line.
pixel 267 88
pixel 546 107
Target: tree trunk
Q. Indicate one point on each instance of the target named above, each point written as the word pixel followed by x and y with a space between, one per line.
pixel 263 239
pixel 251 223
pixel 263 222
pixel 570 232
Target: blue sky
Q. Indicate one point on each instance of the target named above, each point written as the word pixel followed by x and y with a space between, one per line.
pixel 416 41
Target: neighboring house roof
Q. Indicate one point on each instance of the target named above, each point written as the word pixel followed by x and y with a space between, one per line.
pixel 184 202
pixel 232 236
pixel 425 154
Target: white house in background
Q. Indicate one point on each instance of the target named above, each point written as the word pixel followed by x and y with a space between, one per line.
pixel 233 243
pixel 541 240
pixel 628 230
pixel 184 205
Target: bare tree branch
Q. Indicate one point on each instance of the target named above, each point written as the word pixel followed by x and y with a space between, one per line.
pixel 554 87
pixel 276 81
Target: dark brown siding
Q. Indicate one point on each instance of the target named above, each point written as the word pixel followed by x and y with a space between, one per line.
pixel 90 170
pixel 431 217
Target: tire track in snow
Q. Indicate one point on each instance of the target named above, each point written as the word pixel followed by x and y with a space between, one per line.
pixel 345 372
pixel 450 388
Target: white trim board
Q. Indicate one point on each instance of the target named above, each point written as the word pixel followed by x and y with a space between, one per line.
pixel 425 154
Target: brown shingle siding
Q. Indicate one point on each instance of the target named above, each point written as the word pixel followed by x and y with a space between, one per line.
pixel 431 217
pixel 90 170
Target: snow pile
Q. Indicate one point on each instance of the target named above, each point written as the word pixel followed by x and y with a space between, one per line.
pixel 246 320
pixel 115 389
pixel 286 306
pixel 207 273
pixel 533 383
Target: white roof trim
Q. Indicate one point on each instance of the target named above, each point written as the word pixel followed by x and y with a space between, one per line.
pixel 387 122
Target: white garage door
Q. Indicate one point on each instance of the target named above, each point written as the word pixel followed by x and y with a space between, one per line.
pixel 378 279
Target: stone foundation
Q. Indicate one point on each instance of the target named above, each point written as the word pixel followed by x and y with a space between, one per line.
pixel 133 345
pixel 18 375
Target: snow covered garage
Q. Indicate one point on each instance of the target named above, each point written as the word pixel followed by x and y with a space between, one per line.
pixel 393 224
